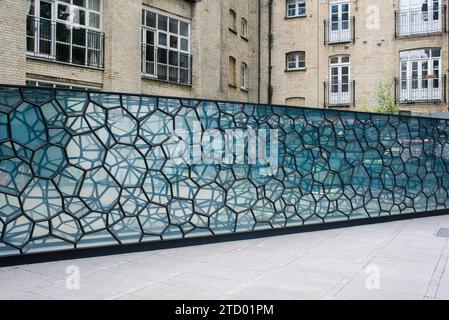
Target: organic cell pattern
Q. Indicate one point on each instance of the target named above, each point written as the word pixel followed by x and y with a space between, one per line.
pixel 81 169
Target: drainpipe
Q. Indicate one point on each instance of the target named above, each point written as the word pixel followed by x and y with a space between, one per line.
pixel 270 43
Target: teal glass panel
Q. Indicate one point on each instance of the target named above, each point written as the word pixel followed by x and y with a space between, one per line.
pixel 84 169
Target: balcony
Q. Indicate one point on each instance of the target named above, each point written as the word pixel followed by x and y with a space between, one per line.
pixel 420 22
pixel 166 65
pixel 339 94
pixel 420 90
pixel 51 40
pixel 339 31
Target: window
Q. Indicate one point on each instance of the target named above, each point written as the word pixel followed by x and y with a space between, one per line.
pixel 339 76
pixel 66 30
pixel 58 85
pixel 244 28
pixel 420 75
pixel 296 8
pixel 244 76
pixel 340 26
pixel 420 17
pixel 166 47
pixel 232 21
pixel 231 72
pixel 296 60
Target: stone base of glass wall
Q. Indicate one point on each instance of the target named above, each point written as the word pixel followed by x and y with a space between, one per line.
pixel 83 169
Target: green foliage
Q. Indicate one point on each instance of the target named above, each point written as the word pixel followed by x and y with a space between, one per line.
pixel 385 102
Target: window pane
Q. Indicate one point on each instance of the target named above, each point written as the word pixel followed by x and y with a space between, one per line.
pixel 173 74
pixel 45 10
pixel 184 45
pixel 183 76
pixel 162 56
pixel 79 37
pixel 162 22
pixel 173 26
pixel 63 12
pixel 62 33
pixel 162 39
pixel 149 56
pixel 78 55
pixel 151 19
pixel 79 46
pixel 162 72
pixel 174 42
pixel 94 20
pixel 45 36
pixel 183 60
pixel 81 3
pixel 184 29
pixel 150 37
pixel 62 42
pixel 80 17
pixel 173 58
pixel 31 25
pixel 31 7
pixel 94 5
pixel 436 53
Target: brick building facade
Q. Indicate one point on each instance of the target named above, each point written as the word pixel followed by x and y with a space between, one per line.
pixel 325 53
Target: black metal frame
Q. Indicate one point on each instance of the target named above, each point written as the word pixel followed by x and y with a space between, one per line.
pixel 327 26
pixel 443 84
pixel 327 100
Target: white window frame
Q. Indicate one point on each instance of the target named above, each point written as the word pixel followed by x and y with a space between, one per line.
pixel 293 8
pixel 71 25
pixel 419 83
pixel 244 76
pixel 339 91
pixel 58 85
pixel 299 64
pixel 157 33
pixel 340 30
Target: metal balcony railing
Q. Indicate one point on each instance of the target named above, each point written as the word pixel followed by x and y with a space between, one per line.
pixel 60 42
pixel 166 65
pixel 420 22
pixel 339 31
pixel 420 89
pixel 339 94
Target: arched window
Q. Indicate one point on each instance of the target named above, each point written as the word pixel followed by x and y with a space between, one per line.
pixel 231 72
pixel 244 28
pixel 232 20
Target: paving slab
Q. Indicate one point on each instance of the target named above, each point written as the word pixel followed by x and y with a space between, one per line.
pixel 411 262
